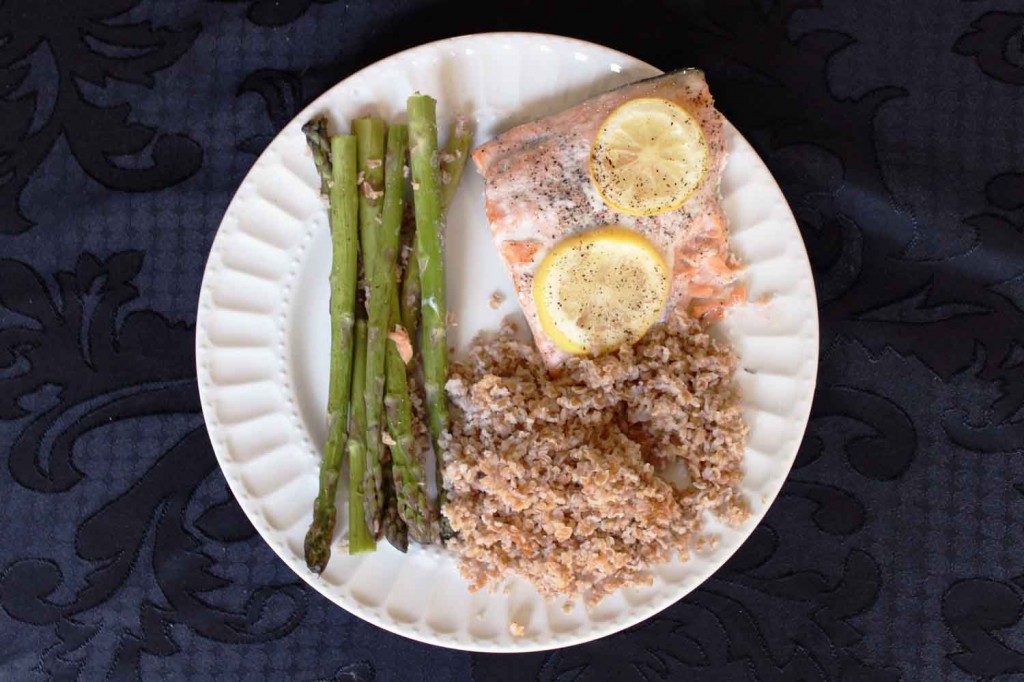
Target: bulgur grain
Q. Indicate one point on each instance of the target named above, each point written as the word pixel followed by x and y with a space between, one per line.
pixel 556 478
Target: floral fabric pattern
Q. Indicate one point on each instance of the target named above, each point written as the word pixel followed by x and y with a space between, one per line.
pixel 896 131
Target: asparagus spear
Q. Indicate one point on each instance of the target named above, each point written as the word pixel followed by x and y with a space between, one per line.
pixel 338 181
pixel 414 505
pixel 344 269
pixel 360 539
pixel 370 137
pixel 426 184
pixel 383 357
pixel 453 162
pixel 380 264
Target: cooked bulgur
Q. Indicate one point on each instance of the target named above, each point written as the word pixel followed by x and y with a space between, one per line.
pixel 556 478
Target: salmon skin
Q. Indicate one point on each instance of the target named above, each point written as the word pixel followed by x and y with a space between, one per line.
pixel 538 191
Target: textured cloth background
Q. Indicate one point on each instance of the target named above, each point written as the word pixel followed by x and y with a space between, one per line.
pixel 896 130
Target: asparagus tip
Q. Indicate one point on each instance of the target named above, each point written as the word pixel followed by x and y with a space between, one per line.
pixel 317 546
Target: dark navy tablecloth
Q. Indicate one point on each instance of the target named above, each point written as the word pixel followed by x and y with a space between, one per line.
pixel 896 130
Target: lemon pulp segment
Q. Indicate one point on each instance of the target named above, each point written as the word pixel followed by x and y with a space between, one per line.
pixel 648 157
pixel 599 289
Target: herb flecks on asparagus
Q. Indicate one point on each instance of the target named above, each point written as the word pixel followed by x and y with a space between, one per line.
pixel 380 262
pixel 409 306
pixel 335 161
pixel 360 539
pixel 369 400
pixel 453 163
pixel 410 485
pixel 453 160
pixel 426 184
pixel 409 469
pixel 370 133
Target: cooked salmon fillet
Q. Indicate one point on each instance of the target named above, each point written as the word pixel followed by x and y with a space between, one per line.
pixel 538 191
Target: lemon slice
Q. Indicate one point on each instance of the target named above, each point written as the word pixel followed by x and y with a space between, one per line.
pixel 649 156
pixel 599 289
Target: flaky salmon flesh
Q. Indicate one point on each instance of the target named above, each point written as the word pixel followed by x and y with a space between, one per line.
pixel 538 191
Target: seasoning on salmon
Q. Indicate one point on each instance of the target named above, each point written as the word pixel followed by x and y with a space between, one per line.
pixel 538 189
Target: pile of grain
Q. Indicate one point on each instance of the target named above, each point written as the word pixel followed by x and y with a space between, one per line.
pixel 556 478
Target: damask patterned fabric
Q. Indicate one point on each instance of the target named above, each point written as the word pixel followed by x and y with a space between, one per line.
pixel 896 130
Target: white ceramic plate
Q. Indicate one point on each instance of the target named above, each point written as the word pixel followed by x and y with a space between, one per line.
pixel 262 338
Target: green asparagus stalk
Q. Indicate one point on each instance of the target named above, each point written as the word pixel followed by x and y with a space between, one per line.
pixel 380 264
pixel 370 133
pixel 414 505
pixel 335 160
pixel 360 539
pixel 453 162
pixel 410 296
pixel 344 270
pixel 426 185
